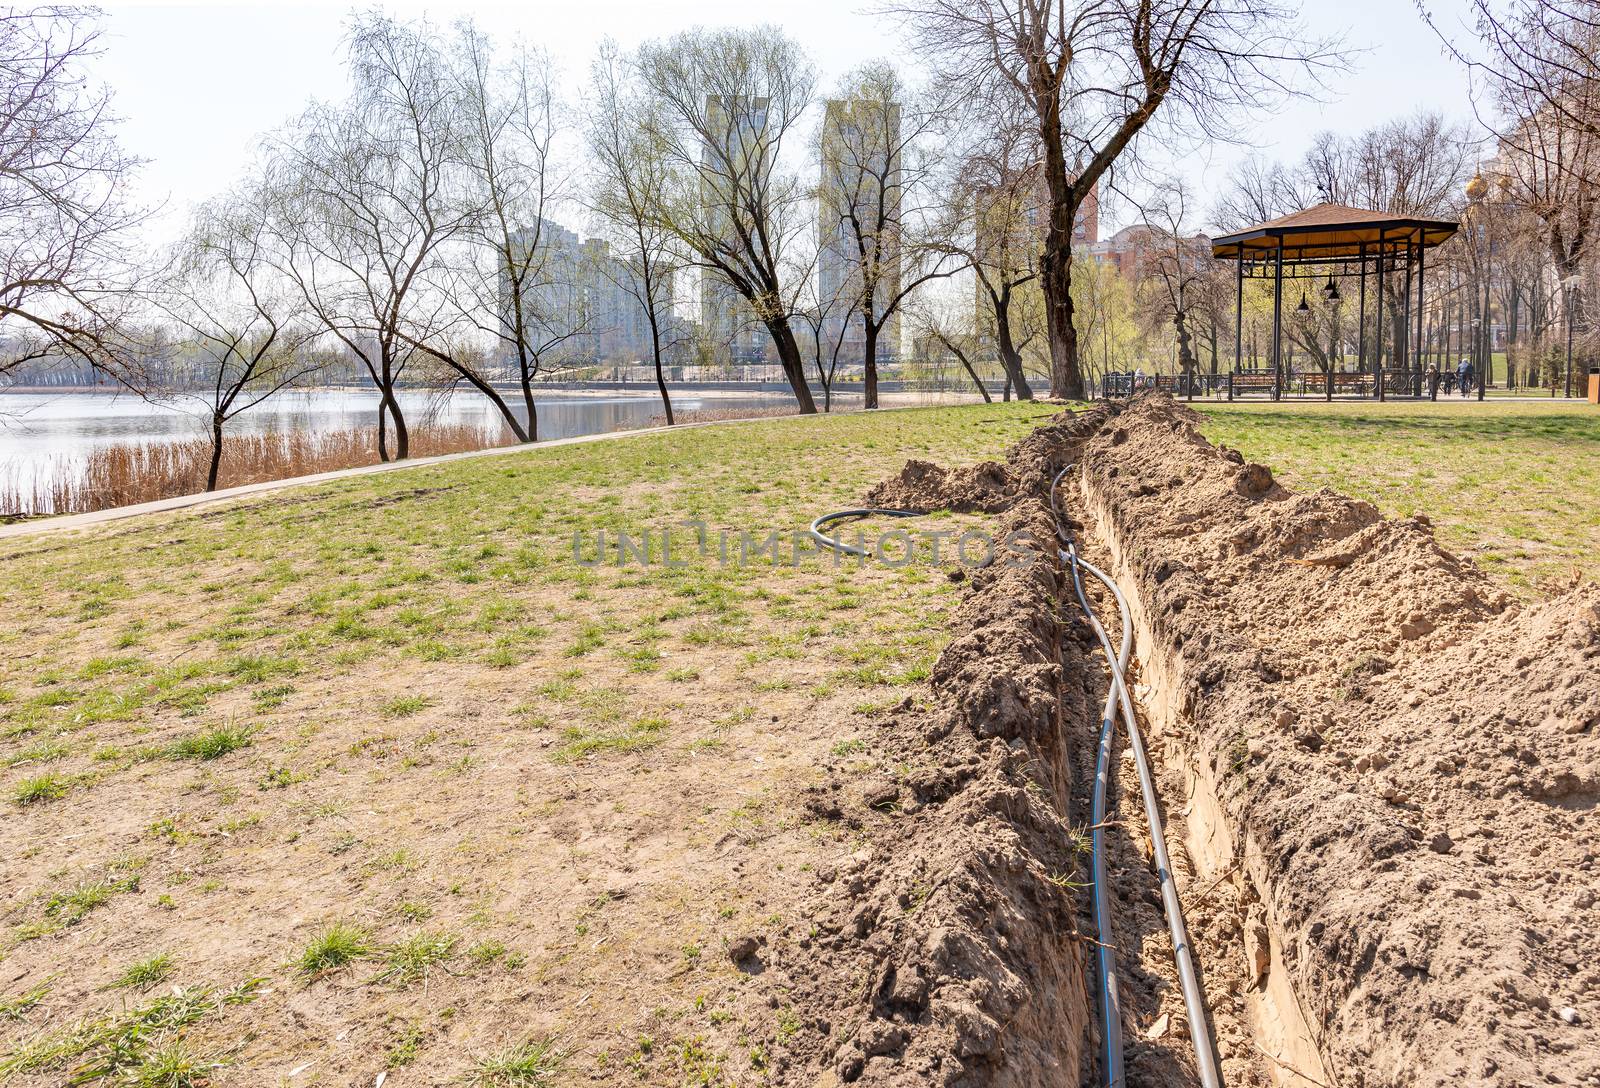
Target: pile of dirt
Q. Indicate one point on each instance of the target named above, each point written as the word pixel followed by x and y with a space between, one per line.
pixel 985 488
pixel 989 487
pixel 1394 766
pixel 944 951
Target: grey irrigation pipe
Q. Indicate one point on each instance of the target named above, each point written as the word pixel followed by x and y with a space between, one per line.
pixel 1182 951
pixel 1188 981
pixel 1105 952
pixel 1109 998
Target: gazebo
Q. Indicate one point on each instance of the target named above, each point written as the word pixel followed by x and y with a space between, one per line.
pixel 1334 240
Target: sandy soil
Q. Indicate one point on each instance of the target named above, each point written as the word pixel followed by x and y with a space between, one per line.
pixel 1396 766
pixel 1379 777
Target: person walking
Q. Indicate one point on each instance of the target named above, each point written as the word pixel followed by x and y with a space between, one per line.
pixel 1433 380
pixel 1464 375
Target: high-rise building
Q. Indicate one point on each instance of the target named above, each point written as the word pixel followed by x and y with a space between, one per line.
pixel 580 300
pixel 860 175
pixel 738 127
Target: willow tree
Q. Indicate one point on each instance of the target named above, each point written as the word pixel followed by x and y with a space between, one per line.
pixel 237 316
pixel 631 178
pixel 1099 73
pixel 367 202
pixel 66 220
pixel 722 104
pixel 879 235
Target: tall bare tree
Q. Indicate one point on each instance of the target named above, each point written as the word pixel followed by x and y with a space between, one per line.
pixel 1097 74
pixel 994 197
pixel 65 211
pixel 509 123
pixel 236 314
pixel 632 177
pixel 879 232
pixel 1176 261
pixel 722 104
pixel 368 197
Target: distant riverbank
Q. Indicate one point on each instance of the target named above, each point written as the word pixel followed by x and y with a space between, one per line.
pixel 78 449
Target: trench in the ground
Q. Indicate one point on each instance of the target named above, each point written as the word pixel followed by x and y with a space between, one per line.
pixel 1282 1048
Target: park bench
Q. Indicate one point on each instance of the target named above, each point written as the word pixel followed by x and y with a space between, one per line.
pixel 1247 382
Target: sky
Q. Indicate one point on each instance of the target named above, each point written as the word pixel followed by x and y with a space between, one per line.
pixel 197 84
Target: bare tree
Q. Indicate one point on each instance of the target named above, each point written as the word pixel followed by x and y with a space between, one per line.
pixel 879 235
pixel 65 214
pixel 994 196
pixel 368 196
pixel 826 318
pixel 1096 74
pixel 1175 263
pixel 505 286
pixel 722 102
pixel 237 315
pixel 952 328
pixel 632 176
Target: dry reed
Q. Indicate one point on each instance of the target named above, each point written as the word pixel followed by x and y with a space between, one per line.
pixel 124 475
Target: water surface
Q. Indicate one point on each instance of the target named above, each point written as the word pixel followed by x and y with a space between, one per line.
pixel 44 437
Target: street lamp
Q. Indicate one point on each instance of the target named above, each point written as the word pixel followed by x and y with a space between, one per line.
pixel 1477 189
pixel 1568 285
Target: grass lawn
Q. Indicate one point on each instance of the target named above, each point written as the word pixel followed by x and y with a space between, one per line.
pixel 374 776
pixel 1514 485
pixel 380 778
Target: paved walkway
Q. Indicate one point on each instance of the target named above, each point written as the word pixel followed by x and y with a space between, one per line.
pixel 70 522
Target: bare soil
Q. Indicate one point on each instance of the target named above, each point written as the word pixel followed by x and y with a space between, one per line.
pixel 1379 776
pixel 1399 765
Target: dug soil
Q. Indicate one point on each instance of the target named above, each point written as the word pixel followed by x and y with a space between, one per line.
pixel 1378 773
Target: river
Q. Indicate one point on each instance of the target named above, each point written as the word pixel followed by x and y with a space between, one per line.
pixel 45 436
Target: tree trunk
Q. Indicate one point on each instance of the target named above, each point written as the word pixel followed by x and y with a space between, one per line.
pixel 977 381
pixel 402 434
pixel 527 403
pixel 661 378
pixel 1066 377
pixel 383 428
pixel 1055 266
pixel 793 368
pixel 216 451
pixel 1010 358
pixel 869 364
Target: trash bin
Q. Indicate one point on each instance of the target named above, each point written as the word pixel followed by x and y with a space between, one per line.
pixel 1594 385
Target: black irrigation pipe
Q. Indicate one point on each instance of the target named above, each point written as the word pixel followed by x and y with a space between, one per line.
pixel 1182 950
pixel 821 523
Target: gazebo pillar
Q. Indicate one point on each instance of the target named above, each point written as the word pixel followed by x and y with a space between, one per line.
pixel 1402 348
pixel 1238 327
pixel 1377 330
pixel 1361 321
pixel 1277 323
pixel 1422 310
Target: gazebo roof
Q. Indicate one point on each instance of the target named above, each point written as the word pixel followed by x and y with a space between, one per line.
pixel 1330 232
